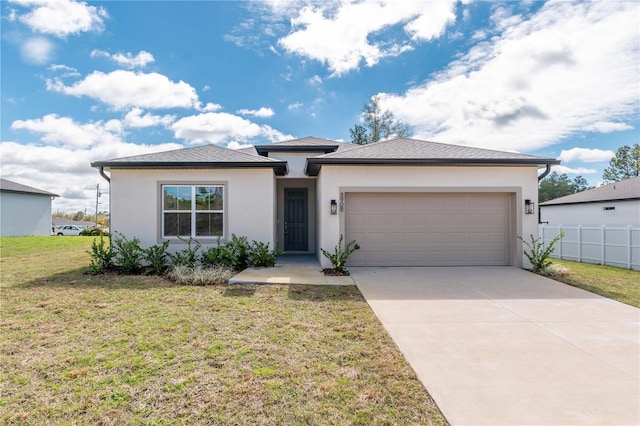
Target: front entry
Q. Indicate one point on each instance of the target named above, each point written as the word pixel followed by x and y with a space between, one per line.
pixel 296 219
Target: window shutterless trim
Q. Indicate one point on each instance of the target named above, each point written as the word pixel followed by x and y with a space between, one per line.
pixel 192 211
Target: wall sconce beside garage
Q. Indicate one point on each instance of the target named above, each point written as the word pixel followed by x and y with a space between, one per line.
pixel 528 206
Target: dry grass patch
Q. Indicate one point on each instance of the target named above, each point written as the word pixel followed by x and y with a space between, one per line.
pixel 113 349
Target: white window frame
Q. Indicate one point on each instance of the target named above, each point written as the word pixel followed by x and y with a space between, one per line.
pixel 192 211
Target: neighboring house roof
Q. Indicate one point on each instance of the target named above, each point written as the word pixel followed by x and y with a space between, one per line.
pixel 18 188
pixel 628 189
pixel 405 151
pixel 207 157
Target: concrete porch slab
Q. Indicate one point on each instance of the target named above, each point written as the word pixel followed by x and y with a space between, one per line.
pixel 310 274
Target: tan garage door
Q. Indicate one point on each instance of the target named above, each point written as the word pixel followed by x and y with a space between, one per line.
pixel 429 229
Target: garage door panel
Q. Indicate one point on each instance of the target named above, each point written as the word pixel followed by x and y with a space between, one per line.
pixel 429 229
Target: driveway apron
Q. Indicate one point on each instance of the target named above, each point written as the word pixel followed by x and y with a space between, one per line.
pixel 503 346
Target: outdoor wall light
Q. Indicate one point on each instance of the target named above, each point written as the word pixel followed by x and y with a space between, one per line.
pixel 334 207
pixel 528 207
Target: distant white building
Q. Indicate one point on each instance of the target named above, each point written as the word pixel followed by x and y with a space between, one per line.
pixel 616 204
pixel 24 210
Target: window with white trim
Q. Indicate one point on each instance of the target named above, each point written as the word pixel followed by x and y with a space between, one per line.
pixel 192 211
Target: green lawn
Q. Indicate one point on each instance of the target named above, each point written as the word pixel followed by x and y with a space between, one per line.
pixel 619 284
pixel 109 349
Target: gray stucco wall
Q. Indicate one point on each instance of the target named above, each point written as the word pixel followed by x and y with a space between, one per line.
pixel 24 214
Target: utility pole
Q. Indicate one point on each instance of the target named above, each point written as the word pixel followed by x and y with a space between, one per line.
pixel 97 197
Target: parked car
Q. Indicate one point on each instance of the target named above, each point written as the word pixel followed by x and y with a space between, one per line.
pixel 69 230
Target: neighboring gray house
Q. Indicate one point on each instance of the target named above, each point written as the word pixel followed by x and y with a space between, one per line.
pixel 407 202
pixel 615 204
pixel 24 210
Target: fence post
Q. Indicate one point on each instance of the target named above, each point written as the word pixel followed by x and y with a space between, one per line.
pixel 560 232
pixel 579 243
pixel 603 252
pixel 629 247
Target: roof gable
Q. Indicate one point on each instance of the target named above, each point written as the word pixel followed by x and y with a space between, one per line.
pixel 10 186
pixel 628 189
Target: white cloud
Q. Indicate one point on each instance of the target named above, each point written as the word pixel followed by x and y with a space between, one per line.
pixel 315 80
pixel 65 70
pixel 206 88
pixel 123 89
pixel 586 155
pixel 238 145
pixel 210 107
pixel 61 18
pixel 349 33
pixel 66 132
pixel 294 106
pixel 135 118
pixel 573 171
pixel 541 80
pixel 66 170
pixel 607 127
pixel 37 50
pixel 127 60
pixel 221 127
pixel 263 112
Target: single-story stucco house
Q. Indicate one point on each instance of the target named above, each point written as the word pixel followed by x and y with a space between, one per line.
pixel 24 210
pixel 615 204
pixel 406 202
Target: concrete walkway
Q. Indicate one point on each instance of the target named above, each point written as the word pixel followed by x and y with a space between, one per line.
pixel 502 346
pixel 295 270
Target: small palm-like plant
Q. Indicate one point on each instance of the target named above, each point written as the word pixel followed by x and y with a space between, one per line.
pixel 339 256
pixel 539 254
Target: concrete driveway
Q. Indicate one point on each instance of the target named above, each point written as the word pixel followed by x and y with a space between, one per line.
pixel 502 346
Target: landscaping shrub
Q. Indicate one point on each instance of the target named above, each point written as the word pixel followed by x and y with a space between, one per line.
pixel 92 232
pixel 200 275
pixel 222 254
pixel 262 255
pixel 157 258
pixel 539 254
pixel 339 256
pixel 187 256
pixel 101 255
pixel 128 254
pixel 241 249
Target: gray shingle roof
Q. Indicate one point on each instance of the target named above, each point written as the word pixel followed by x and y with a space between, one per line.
pixel 628 189
pixel 207 156
pixel 405 151
pixel 9 186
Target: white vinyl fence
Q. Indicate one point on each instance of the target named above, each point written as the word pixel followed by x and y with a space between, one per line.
pixel 605 245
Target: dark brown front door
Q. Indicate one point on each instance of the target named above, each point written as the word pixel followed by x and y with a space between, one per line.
pixel 296 223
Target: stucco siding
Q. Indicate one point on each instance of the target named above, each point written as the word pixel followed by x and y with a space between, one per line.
pixel 521 182
pixel 249 201
pixel 24 214
pixel 618 213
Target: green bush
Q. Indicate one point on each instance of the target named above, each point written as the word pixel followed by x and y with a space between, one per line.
pixel 128 254
pixel 187 256
pixel 92 232
pixel 539 254
pixel 262 255
pixel 157 259
pixel 222 254
pixel 101 255
pixel 339 256
pixel 241 249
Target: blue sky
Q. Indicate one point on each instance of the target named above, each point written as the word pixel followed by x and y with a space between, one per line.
pixel 91 81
